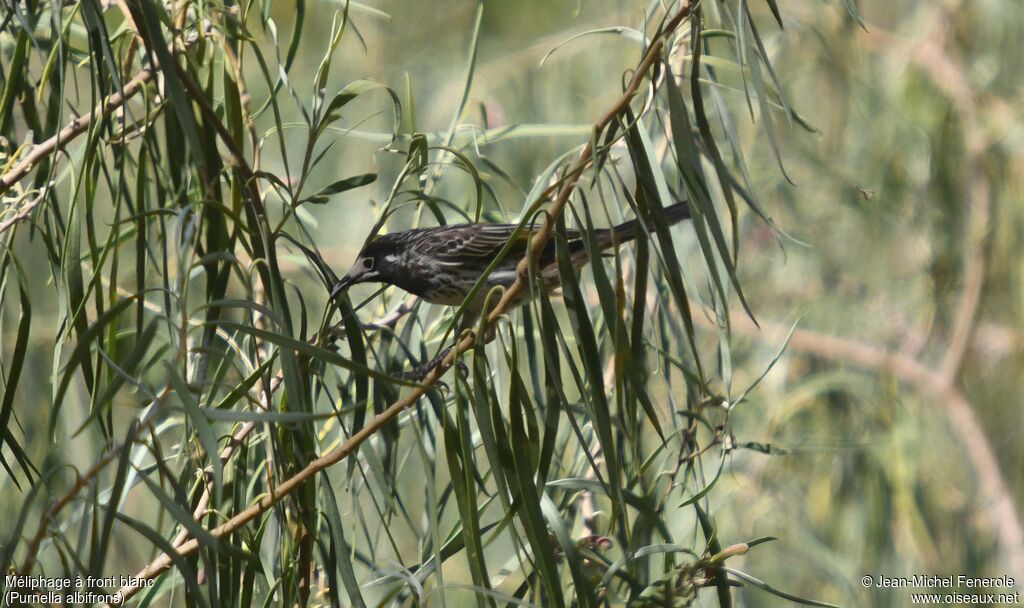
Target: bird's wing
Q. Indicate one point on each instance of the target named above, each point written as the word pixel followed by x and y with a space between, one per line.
pixel 473 243
pixel 489 240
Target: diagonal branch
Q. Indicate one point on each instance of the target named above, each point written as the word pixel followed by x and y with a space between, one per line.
pixel 539 239
pixel 74 128
pixel 81 124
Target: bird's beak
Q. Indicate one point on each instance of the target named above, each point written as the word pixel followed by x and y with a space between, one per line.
pixel 341 286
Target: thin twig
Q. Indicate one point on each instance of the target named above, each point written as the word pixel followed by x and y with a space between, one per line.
pixel 23 212
pixel 389 319
pixel 81 481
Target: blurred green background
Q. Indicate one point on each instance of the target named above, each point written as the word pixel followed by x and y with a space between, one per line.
pixel 896 414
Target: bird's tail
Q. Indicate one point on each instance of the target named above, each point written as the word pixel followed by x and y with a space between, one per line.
pixel 627 231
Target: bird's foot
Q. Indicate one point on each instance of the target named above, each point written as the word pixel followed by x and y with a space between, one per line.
pixel 335 333
pixel 420 372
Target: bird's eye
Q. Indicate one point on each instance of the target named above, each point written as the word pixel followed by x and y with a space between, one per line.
pixel 367 263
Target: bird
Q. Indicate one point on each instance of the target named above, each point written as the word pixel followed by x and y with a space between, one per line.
pixel 442 264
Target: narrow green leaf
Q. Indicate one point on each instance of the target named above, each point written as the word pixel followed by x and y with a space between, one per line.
pixel 204 431
pixel 529 508
pixel 16 364
pixel 146 17
pixel 315 352
pixel 766 587
pixel 341 546
pixel 349 183
pixel 590 353
pixel 80 355
pixel 584 587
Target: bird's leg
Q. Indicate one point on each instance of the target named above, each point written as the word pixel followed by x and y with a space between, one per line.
pixel 335 333
pixel 418 373
pixel 467 323
pixel 421 371
pixel 470 322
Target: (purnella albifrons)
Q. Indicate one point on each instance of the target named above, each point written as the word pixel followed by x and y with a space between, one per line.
pixel 442 264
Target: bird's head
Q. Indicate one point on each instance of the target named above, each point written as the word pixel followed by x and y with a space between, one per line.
pixel 373 264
